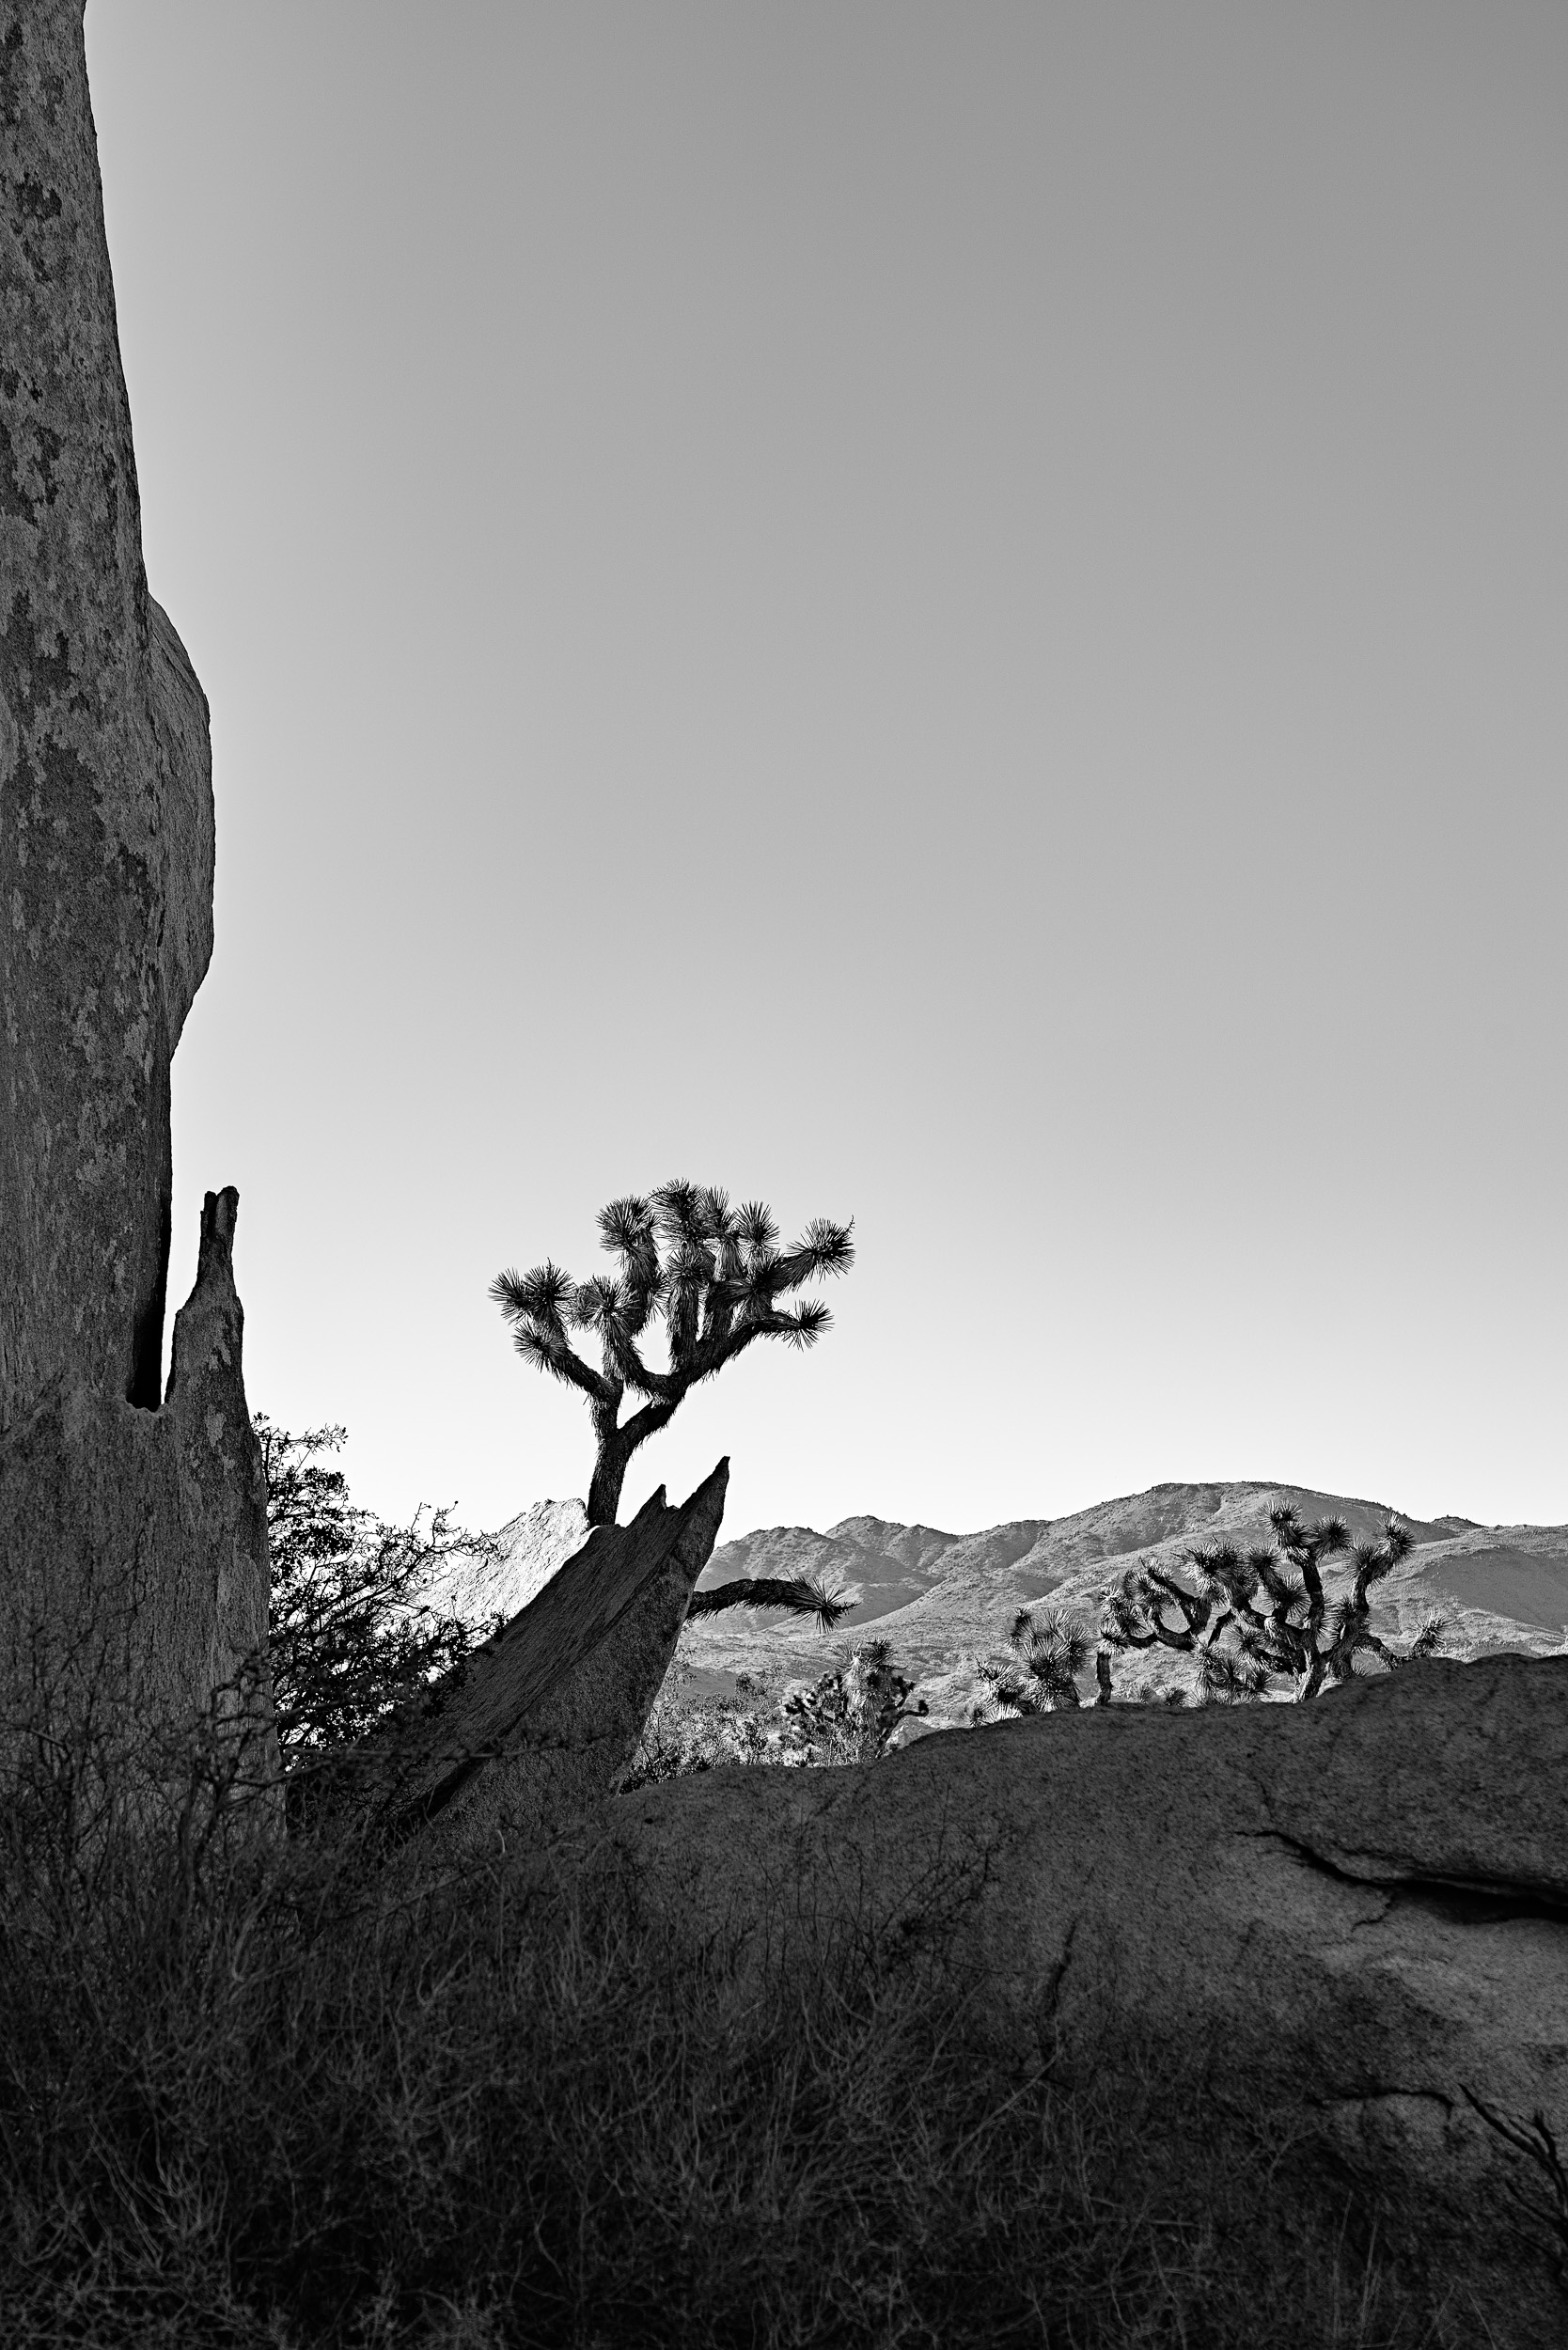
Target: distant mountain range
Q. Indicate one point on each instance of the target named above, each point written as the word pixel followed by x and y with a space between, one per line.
pixel 945 1602
pixel 941 1599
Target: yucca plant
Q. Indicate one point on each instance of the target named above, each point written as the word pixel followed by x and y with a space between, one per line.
pixel 714 1275
pixel 1265 1614
pixel 852 1713
pixel 1053 1649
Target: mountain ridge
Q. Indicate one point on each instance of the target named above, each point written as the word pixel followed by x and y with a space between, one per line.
pixel 945 1601
pixel 1498 1586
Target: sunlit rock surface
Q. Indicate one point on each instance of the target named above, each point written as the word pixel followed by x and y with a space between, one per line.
pixel 531 1548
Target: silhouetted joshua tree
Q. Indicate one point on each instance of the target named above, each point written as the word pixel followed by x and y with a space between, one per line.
pixel 716 1275
pixel 1266 1614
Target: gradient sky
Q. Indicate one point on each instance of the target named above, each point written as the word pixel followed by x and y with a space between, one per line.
pixel 956 616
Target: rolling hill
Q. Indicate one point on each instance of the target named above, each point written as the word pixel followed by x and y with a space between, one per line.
pixel 945 1601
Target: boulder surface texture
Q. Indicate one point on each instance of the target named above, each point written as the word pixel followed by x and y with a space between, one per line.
pixel 134 1544
pixel 1355 1912
pixel 132 1538
pixel 543 1717
pixel 105 776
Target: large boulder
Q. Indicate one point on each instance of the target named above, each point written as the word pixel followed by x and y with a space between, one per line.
pixel 1354 1912
pixel 543 1717
pixel 132 1538
pixel 105 776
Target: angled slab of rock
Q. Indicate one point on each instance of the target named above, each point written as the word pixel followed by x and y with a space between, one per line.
pixel 1355 1911
pixel 547 1715
pixel 134 1564
pixel 105 776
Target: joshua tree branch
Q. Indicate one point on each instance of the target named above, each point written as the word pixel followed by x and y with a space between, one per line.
pixel 803 1596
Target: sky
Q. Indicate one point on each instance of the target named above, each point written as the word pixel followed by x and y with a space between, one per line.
pixel 947 615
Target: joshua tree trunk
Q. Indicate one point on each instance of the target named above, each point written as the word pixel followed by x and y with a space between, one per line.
pixel 609 1474
pixel 616 1446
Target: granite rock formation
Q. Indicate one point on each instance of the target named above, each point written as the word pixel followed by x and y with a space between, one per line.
pixel 543 1719
pixel 1353 1911
pixel 132 1538
pixel 529 1549
pixel 105 784
pixel 134 1544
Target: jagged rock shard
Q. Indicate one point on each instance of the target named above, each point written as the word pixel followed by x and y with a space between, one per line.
pixel 547 1715
pixel 105 776
pixel 1356 1909
pixel 133 1543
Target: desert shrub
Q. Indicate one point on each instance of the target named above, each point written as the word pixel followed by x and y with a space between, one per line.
pixel 685 1733
pixel 849 1715
pixel 286 2103
pixel 350 1631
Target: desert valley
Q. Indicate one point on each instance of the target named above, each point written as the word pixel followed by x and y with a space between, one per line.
pixel 944 1602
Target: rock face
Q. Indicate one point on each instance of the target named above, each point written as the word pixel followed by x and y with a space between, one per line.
pixel 532 1547
pixel 545 1716
pixel 132 1539
pixel 105 786
pixel 1357 1908
pixel 135 1543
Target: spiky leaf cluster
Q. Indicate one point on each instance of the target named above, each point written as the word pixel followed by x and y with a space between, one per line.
pixel 1053 1649
pixel 714 1273
pixel 851 1714
pixel 1264 1614
pixel 799 1595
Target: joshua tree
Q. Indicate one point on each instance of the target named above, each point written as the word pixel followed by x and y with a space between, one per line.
pixel 1266 1614
pixel 851 1715
pixel 714 1273
pixel 1053 1650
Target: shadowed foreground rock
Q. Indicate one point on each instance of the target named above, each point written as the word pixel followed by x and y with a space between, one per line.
pixel 132 1538
pixel 1356 1910
pixel 105 776
pixel 134 1544
pixel 545 1716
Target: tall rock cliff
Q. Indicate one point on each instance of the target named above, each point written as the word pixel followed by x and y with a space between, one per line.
pixel 106 774
pixel 132 1536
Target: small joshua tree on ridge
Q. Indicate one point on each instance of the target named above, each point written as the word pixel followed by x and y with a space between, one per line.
pixel 1053 1650
pixel 716 1275
pixel 1266 1614
pixel 852 1713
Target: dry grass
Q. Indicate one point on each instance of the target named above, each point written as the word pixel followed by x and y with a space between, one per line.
pixel 265 2101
